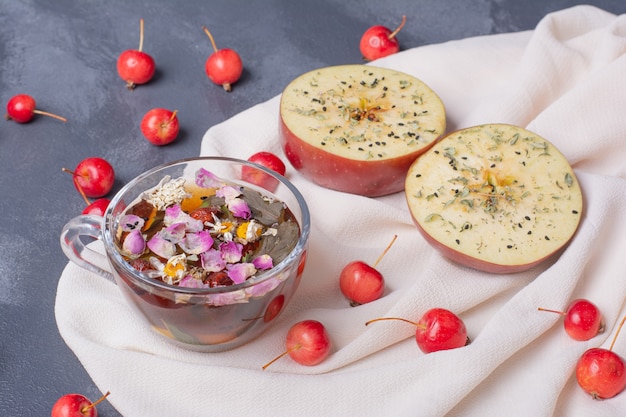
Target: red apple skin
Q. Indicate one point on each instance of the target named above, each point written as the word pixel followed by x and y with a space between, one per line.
pixel 21 108
pixel 160 126
pixel 361 283
pixel 274 308
pixel 98 207
pixel 260 178
pixel 475 263
pixel 440 329
pixel 314 341
pixel 375 43
pixel 601 373
pixel 366 178
pixel 135 67
pixel 583 320
pixel 71 405
pixel 95 175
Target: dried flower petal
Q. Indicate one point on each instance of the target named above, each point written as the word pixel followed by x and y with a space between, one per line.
pixel 175 214
pixel 228 298
pixel 171 272
pixel 173 233
pixel 164 242
pixel 238 273
pixel 231 252
pixel 263 262
pixel 236 205
pixel 239 208
pixel 134 243
pixel 228 192
pixel 161 247
pixel 249 231
pixel 207 179
pixel 212 260
pixel 264 287
pixel 130 222
pixel 189 281
pixel 196 243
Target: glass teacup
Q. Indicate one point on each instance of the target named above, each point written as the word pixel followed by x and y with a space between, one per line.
pixel 203 317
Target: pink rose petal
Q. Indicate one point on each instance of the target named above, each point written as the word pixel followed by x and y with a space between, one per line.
pixel 231 252
pixel 130 222
pixel 212 260
pixel 228 192
pixel 263 262
pixel 174 233
pixel 174 214
pixel 190 282
pixel 196 243
pixel 206 179
pixel 162 247
pixel 239 208
pixel 134 243
pixel 238 273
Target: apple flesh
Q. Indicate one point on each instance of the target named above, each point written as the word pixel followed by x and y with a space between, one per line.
pixel 495 197
pixel 358 128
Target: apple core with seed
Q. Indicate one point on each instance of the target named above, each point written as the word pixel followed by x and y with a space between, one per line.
pixel 358 128
pixel 495 197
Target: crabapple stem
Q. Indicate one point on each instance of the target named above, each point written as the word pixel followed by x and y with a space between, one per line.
pixel 551 311
pixel 210 37
pixel 95 403
pixel 285 353
pixel 140 35
pixel 80 189
pixel 394 318
pixel 173 116
pixel 395 32
pixel 619 328
pixel 385 251
pixel 45 113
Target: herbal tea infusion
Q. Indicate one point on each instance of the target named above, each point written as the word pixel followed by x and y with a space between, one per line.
pixel 208 234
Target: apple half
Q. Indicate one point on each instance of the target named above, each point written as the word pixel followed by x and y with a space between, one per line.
pixel 358 128
pixel 494 197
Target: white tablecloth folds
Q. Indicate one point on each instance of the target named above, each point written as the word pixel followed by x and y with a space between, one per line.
pixel 564 80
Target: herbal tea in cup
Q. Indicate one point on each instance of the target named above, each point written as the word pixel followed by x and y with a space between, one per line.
pixel 207 259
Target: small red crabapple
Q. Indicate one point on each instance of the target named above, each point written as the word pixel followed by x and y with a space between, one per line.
pixel 21 109
pixel 438 329
pixel 160 126
pixel 260 178
pixel 601 372
pixel 378 41
pixel 223 66
pixel 307 343
pixel 93 176
pixel 135 66
pixel 76 405
pixel 361 283
pixel 582 320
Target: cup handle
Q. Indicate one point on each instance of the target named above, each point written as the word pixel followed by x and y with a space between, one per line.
pixel 85 226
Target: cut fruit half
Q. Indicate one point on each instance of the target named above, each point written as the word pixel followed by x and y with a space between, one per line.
pixel 358 128
pixel 495 197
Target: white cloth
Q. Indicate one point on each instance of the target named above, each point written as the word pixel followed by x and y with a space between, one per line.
pixel 564 80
